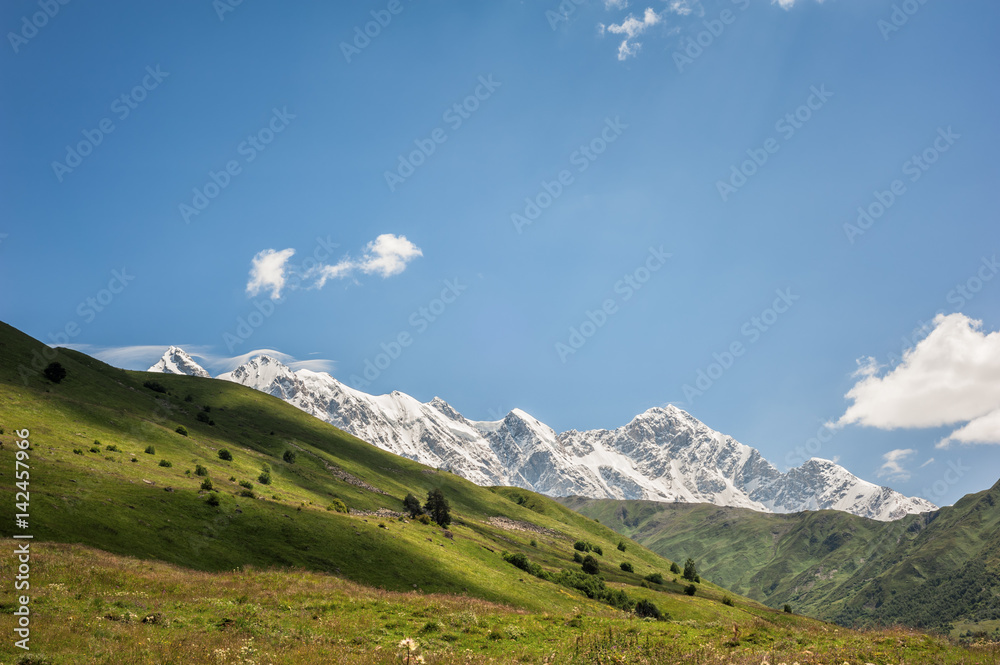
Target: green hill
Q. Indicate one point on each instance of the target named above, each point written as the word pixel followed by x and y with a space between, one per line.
pixel 136 560
pixel 935 570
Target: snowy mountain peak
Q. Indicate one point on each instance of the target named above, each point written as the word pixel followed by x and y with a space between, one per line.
pixel 663 454
pixel 176 361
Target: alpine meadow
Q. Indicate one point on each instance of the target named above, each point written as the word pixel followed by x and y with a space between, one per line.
pixel 521 332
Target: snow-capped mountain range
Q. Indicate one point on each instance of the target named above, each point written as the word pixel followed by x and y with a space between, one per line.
pixel 664 454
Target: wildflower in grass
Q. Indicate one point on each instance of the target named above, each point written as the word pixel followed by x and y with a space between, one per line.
pixel 410 656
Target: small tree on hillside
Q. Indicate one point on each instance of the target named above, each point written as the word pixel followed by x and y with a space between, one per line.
pixel 590 565
pixel 411 505
pixel 690 572
pixel 675 569
pixel 55 372
pixel 437 507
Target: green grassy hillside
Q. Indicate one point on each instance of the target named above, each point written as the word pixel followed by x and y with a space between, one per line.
pixel 92 483
pixel 132 563
pixel 937 570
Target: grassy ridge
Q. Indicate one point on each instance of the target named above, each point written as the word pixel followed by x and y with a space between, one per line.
pixel 938 569
pixel 104 499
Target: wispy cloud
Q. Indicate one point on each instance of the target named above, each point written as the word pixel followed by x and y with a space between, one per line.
pixel 632 27
pixel 893 466
pixel 385 256
pixel 951 376
pixel 142 357
pixel 788 4
pixel 139 357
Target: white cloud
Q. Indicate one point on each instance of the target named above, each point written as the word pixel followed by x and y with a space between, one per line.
pixel 787 4
pixel 615 4
pixel 927 463
pixel 893 466
pixel 985 429
pixel 267 271
pixel 631 27
pixel 680 7
pixel 951 376
pixel 386 256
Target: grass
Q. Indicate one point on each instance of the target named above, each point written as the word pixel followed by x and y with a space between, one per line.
pixel 95 608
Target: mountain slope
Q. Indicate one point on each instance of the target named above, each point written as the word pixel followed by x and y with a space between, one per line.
pixel 121 466
pixel 936 569
pixel 664 454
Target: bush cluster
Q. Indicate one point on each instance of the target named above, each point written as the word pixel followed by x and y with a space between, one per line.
pixel 584 546
pixel 590 565
pixel 521 561
pixel 155 386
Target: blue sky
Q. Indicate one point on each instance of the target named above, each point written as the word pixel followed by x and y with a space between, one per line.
pixel 484 179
